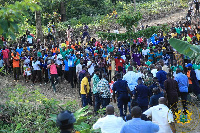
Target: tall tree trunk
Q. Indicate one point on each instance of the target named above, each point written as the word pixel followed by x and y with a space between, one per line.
pixel 135 4
pixel 39 32
pixel 63 11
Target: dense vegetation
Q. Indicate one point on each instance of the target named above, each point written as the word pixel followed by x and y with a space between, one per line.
pixel 30 111
pixel 98 14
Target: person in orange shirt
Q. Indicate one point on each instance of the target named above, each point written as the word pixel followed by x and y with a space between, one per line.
pixel 67 43
pixel 193 82
pixel 16 61
pixel 55 49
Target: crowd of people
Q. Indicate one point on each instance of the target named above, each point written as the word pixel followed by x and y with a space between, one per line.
pixel 104 71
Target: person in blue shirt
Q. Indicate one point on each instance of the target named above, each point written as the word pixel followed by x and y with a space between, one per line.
pixel 66 72
pixel 122 89
pixel 137 125
pixel 141 94
pixel 183 84
pixel 43 65
pixel 158 54
pixel 72 68
pixel 19 50
pixel 161 75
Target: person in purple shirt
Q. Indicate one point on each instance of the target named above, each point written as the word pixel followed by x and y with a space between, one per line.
pixel 137 125
pixel 136 57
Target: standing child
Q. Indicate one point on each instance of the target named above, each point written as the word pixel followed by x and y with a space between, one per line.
pixel 27 68
pixel 54 74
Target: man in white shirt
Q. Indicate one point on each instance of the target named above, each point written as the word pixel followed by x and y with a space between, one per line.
pixel 164 66
pixel 91 65
pixel 131 78
pixel 59 61
pixel 79 67
pixel 36 70
pixel 162 116
pixel 145 51
pixel 110 123
pixel 153 70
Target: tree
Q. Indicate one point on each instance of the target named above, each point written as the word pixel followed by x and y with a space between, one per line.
pixel 63 11
pixel 39 32
pixel 13 14
pixel 129 20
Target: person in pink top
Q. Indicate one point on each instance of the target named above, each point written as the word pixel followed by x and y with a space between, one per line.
pixel 5 53
pixel 54 74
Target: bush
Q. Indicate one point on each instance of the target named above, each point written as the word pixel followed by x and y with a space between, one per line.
pixel 148 32
pixel 28 111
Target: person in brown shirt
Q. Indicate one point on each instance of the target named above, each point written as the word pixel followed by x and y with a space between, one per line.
pixel 172 90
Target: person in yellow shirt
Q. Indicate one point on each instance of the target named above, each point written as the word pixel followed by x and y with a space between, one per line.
pixel 85 88
pixel 198 36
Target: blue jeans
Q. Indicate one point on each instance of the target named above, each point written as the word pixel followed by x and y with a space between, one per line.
pixel 105 102
pixel 84 100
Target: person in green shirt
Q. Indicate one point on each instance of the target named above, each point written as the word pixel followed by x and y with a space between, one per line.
pixel 175 66
pixel 195 66
pixel 127 64
pixel 63 52
pixel 187 38
pixel 148 63
pixel 39 54
pixel 178 30
pixel 77 60
pixel 134 65
pixel 69 50
pixel 110 48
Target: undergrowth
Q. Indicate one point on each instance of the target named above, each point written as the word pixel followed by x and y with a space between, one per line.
pixel 27 111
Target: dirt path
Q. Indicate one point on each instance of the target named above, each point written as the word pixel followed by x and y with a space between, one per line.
pixel 64 91
pixel 169 19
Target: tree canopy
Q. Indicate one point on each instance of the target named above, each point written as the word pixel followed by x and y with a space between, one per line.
pixel 13 14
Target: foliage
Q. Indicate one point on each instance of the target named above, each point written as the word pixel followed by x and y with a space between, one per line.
pixel 84 120
pixel 12 14
pixel 78 12
pixel 129 20
pixel 2 70
pixel 148 32
pixel 159 6
pixel 192 51
pixel 28 111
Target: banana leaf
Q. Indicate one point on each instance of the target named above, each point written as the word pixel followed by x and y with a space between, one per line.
pixel 192 51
